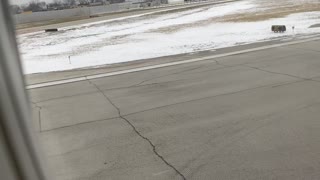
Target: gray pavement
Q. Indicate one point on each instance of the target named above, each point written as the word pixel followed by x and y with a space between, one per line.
pixel 249 116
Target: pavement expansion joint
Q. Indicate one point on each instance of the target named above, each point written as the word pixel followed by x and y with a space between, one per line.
pixel 175 73
pixel 39 115
pixel 272 72
pixel 139 134
pixel 224 94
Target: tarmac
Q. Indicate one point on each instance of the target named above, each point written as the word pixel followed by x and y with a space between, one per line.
pixel 247 115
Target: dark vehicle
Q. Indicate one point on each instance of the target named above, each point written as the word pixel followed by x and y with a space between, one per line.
pixel 51 30
pixel 278 28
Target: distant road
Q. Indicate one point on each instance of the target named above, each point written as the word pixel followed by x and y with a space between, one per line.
pixel 40 26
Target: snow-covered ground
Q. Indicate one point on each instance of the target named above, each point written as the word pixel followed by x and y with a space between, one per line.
pixel 155 35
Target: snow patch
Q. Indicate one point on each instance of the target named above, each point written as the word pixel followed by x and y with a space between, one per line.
pixel 132 39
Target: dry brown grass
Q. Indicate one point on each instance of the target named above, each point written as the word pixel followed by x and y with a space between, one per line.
pixel 270 13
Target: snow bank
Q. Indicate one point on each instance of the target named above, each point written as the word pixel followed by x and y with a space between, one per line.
pixel 175 1
pixel 133 39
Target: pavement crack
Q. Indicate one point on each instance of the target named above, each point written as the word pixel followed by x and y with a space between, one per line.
pixel 309 50
pixel 272 72
pixel 68 96
pixel 106 97
pixel 154 149
pixel 141 83
pixel 215 96
pixel 39 114
pixel 78 124
pixel 219 63
pixel 279 73
pixel 185 70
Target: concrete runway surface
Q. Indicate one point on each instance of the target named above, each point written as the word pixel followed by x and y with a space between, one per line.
pixel 249 116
